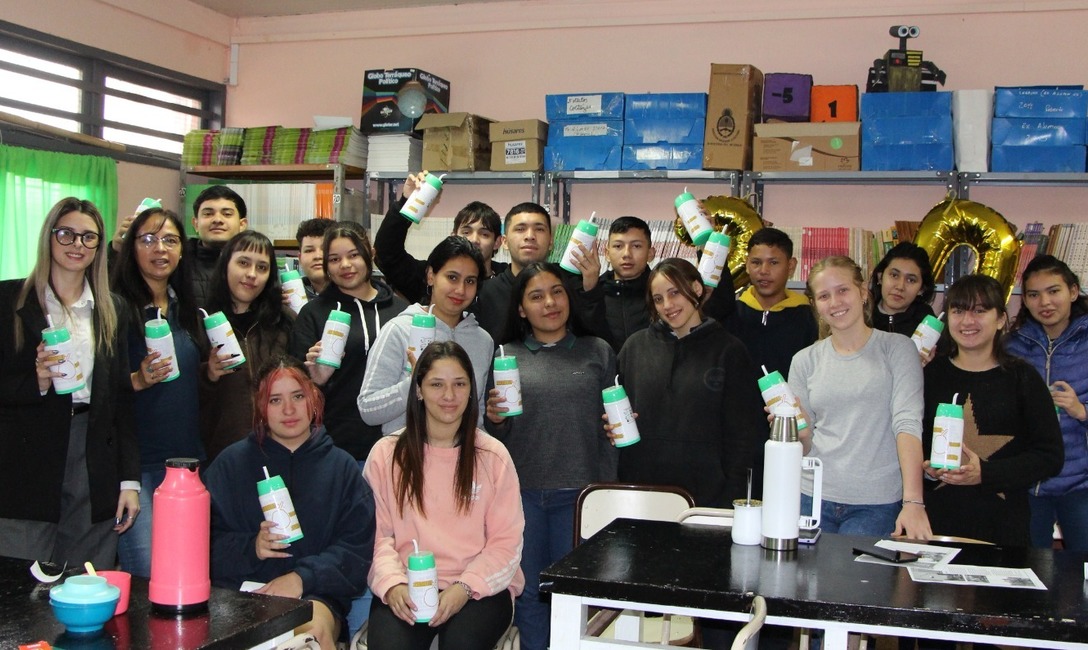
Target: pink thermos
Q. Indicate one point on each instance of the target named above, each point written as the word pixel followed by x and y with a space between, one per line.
pixel 181 541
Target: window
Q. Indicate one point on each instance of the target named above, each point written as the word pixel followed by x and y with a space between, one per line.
pixel 77 88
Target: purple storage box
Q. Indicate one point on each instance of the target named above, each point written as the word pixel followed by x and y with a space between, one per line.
pixel 787 97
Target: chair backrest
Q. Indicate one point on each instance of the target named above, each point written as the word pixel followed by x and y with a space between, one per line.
pixel 708 516
pixel 600 503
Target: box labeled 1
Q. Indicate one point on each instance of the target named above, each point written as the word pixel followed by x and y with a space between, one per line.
pixel 834 104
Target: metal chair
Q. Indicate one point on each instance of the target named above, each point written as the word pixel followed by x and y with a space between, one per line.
pixel 597 506
pixel 708 516
pixel 748 637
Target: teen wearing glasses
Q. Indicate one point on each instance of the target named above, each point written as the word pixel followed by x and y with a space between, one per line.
pixel 152 278
pixel 69 469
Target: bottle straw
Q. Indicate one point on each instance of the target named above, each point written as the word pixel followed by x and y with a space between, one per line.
pixel 201 310
pixel 160 313
pixel 501 353
pixel 941 317
pixel 592 216
pixel 337 305
pixel 617 380
pixel 954 397
pixel 415 545
pixel 90 568
pixel 49 321
pixel 266 476
pixel 749 501
pixel 765 370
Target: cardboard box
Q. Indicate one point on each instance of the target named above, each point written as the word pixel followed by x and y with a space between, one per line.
pixel 649 130
pixel 1041 101
pixel 834 104
pixel 905 104
pixel 906 157
pixel 665 106
pixel 663 156
pixel 518 146
pixel 592 106
pixel 574 157
pixel 455 142
pixel 1038 131
pixel 1065 160
pixel 732 107
pixel 787 97
pixel 380 112
pixel 594 133
pixel 817 146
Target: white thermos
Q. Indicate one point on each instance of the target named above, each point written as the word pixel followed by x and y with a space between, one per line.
pixel 783 463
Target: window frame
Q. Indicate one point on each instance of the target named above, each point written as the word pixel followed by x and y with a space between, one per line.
pixel 98 65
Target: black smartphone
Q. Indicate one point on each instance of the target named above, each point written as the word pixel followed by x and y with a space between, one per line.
pixel 898 557
pixel 808 536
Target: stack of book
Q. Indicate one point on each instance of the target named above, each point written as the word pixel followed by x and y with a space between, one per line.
pixel 343 145
pixel 394 153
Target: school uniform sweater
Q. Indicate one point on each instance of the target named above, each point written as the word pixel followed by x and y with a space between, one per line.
pixel 480 547
pixel 383 397
pixel 335 509
pixel 342 419
pixel 700 415
pixel 558 442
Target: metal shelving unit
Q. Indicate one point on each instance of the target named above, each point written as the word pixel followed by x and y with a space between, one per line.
pixel 385 184
pixel 966 180
pixel 754 182
pixel 557 185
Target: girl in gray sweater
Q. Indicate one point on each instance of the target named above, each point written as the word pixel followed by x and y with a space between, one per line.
pixel 862 392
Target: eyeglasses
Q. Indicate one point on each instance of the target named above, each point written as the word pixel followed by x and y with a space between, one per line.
pixel 169 242
pixel 67 237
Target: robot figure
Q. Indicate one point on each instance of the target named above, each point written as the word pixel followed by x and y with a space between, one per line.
pixel 903 70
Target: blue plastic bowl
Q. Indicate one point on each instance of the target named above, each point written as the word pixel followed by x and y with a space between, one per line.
pixel 83 618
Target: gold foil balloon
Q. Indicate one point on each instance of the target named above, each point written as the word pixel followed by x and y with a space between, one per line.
pixel 954 222
pixel 738 219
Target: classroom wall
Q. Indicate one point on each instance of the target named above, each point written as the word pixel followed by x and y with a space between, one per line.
pixel 502 58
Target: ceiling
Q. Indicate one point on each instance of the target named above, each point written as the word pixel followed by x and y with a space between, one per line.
pixel 253 8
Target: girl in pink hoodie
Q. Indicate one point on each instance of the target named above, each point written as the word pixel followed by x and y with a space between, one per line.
pixel 452 489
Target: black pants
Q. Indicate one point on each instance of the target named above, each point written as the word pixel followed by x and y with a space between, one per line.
pixel 478 626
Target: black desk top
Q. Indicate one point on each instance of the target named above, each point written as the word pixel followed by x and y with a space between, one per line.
pixel 234 619
pixel 697 566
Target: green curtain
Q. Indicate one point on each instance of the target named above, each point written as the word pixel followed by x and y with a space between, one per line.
pixel 31 182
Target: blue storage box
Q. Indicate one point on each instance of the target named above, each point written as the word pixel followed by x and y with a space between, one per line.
pixel 787 97
pixel 1041 101
pixel 1039 131
pixel 664 156
pixel 597 133
pixel 594 106
pixel 574 157
pixel 907 130
pixel 1067 160
pixel 665 105
pixel 906 157
pixel 648 130
pixel 905 104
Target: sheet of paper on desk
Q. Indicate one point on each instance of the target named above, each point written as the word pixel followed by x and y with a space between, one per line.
pixel 929 557
pixel 249 585
pixel 979 576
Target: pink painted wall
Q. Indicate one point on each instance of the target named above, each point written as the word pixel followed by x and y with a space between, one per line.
pixel 503 58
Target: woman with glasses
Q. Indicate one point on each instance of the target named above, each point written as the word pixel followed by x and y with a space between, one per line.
pixel 69 469
pixel 152 278
pixel 246 288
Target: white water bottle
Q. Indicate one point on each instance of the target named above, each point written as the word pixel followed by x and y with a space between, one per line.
pixel 334 337
pixel 927 334
pixel 617 406
pixel 508 383
pixel 420 335
pixel 694 219
pixel 158 338
pixel 775 390
pixel 277 506
pixel 585 233
pixel 419 201
pixel 947 448
pixel 59 344
pixel 712 265
pixel 423 583
pixel 221 334
pixel 293 288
